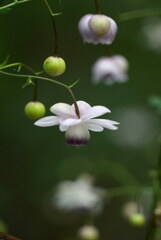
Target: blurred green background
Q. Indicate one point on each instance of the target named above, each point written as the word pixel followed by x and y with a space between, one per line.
pixel 34 160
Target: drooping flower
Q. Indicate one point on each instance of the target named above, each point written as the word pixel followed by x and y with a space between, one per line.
pixel 79 195
pixel 97 28
pixel 77 129
pixel 110 70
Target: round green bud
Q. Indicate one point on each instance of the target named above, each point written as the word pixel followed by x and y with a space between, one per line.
pixel 99 24
pixel 54 66
pixel 137 219
pixel 35 110
pixel 88 233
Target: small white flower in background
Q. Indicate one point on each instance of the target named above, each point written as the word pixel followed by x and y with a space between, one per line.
pixel 88 232
pixel 97 28
pixel 151 34
pixel 79 194
pixel 110 70
pixel 77 129
pixel 130 208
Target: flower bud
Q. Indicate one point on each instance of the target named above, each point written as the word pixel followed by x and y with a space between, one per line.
pixel 77 135
pixel 137 220
pixel 35 110
pixel 88 233
pixel 99 24
pixel 54 66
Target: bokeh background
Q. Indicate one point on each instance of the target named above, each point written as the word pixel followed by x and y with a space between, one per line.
pixel 34 160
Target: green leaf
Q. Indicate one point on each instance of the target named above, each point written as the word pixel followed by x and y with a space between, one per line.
pixel 5 61
pixel 27 83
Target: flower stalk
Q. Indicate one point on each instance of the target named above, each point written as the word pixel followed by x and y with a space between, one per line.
pixel 15 2
pixel 34 76
pixel 54 28
pixel 97 6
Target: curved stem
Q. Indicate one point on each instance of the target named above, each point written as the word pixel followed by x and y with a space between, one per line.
pixel 97 6
pixel 41 78
pixel 30 70
pixel 18 64
pixel 139 13
pixel 13 4
pixel 54 28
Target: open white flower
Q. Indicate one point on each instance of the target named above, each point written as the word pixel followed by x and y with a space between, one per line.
pixel 110 70
pixel 97 28
pixel 77 129
pixel 79 194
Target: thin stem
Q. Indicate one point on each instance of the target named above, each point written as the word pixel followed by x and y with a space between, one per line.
pixel 54 28
pixel 97 6
pixel 42 78
pixel 139 13
pixel 13 4
pixel 18 64
pixel 35 97
pixel 156 198
pixel 35 91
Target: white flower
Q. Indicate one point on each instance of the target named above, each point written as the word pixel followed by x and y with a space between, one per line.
pixel 77 129
pixel 88 232
pixel 97 28
pixel 79 194
pixel 110 70
pixel 151 34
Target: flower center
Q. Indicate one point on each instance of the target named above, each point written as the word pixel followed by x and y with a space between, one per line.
pixel 99 24
pixel 77 135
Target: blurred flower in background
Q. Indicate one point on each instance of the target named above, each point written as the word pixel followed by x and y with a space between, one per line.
pixel 110 70
pixel 151 34
pixel 138 127
pixel 79 195
pixel 88 232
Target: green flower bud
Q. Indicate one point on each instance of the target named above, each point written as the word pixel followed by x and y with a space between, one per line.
pixel 35 110
pixel 137 219
pixel 88 233
pixel 99 24
pixel 54 66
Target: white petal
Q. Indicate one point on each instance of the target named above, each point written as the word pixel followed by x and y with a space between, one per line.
pixel 83 107
pixel 63 128
pixel 95 112
pixel 94 127
pixel 104 123
pixel 47 121
pixel 70 122
pixel 63 110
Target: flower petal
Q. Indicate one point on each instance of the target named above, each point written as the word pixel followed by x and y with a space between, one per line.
pixel 83 107
pixel 63 128
pixel 63 110
pixel 103 123
pixel 95 112
pixel 47 121
pixel 94 127
pixel 70 122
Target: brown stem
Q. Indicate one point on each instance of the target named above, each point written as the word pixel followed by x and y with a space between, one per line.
pixel 97 6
